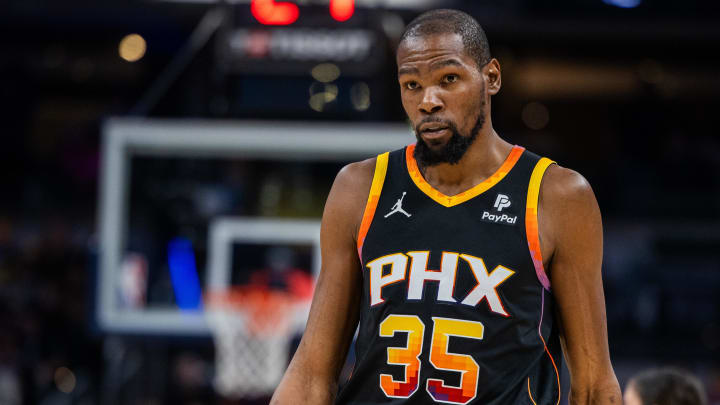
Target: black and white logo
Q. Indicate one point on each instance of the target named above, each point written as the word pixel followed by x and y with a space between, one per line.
pixel 502 201
pixel 398 207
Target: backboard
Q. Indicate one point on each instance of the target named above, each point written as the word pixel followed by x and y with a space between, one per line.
pixel 186 206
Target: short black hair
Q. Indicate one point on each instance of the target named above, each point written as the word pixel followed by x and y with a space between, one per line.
pixel 447 21
pixel 668 386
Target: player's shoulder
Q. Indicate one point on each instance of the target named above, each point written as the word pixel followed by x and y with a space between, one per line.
pixel 565 193
pixel 362 168
pixel 567 205
pixel 356 176
pixel 346 202
pixel 562 182
pixel 352 186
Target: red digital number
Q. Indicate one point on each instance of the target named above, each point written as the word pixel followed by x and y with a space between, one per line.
pixel 342 10
pixel 270 12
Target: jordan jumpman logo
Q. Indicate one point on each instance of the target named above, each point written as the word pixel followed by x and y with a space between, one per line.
pixel 398 207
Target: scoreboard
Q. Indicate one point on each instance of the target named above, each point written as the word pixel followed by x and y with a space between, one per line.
pixel 300 59
pixel 270 37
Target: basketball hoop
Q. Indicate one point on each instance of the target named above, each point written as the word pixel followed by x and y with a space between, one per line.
pixel 252 328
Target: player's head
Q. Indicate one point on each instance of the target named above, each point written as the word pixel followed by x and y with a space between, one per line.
pixel 664 386
pixel 446 76
pixel 446 21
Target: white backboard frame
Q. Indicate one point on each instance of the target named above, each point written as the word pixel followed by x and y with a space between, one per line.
pixel 224 231
pixel 124 138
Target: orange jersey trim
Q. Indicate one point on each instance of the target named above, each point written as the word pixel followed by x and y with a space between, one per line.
pixel 381 164
pixel 452 200
pixel 557 374
pixel 552 360
pixel 530 393
pixel 531 221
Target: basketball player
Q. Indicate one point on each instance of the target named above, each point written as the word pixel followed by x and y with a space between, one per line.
pixel 466 261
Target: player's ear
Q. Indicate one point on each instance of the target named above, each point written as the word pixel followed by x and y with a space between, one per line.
pixel 493 78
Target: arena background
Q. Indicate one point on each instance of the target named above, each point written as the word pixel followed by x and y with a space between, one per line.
pixel 131 129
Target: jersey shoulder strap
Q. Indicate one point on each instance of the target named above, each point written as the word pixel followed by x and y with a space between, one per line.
pixel 381 165
pixel 531 219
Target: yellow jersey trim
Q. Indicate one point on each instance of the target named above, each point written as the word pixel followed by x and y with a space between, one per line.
pixel 381 164
pixel 531 219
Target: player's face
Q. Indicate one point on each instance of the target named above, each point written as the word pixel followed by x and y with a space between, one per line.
pixel 443 92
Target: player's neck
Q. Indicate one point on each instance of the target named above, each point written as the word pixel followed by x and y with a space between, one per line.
pixel 482 159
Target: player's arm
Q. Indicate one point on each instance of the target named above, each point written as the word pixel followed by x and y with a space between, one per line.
pixel 571 227
pixel 311 377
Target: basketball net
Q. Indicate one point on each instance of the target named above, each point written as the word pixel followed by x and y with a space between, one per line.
pixel 252 332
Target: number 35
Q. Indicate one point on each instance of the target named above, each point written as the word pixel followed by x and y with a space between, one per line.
pixel 440 358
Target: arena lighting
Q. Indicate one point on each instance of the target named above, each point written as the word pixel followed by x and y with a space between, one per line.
pixel 132 47
pixel 325 72
pixel 360 96
pixel 623 3
pixel 65 380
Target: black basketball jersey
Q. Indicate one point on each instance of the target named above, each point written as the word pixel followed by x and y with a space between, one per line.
pixel 456 307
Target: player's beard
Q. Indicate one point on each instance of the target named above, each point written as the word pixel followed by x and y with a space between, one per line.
pixel 455 147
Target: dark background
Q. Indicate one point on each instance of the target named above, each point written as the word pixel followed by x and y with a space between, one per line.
pixel 626 96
